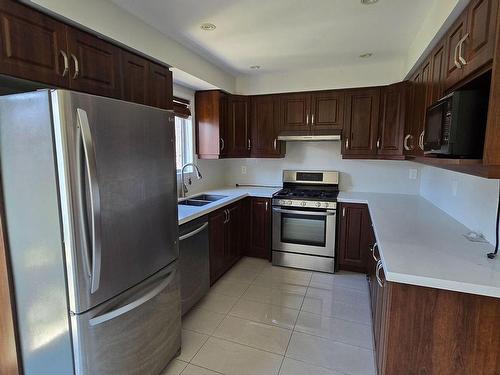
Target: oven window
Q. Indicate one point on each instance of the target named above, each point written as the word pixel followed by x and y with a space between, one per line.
pixel 303 229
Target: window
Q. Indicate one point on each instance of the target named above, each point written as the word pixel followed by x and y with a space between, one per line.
pixel 183 142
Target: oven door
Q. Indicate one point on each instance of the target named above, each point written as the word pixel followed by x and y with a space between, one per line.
pixel 304 231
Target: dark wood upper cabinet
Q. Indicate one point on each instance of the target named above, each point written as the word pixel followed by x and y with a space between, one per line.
pixel 453 72
pixel 361 122
pixel 392 120
pixel 265 121
pixel 260 228
pixel 354 237
pixel 94 64
pixel 437 72
pixel 135 69
pixel 479 46
pixel 211 123
pixel 295 113
pixel 32 46
pixel 238 140
pixel 327 111
pixel 160 93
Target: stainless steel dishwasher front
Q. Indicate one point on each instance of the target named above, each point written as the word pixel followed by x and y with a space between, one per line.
pixel 194 262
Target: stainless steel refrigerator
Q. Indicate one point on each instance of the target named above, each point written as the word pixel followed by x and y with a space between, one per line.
pixel 89 186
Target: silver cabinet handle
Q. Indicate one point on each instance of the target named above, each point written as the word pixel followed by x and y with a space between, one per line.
pixel 134 304
pixel 249 143
pixel 228 216
pixel 222 144
pixel 312 119
pixel 421 140
pixel 347 143
pixel 193 233
pixel 66 63
pixel 375 246
pixel 460 45
pixel 457 64
pixel 267 205
pixel 308 213
pixel 307 119
pixel 377 273
pixel 405 144
pixel 95 199
pixel 77 67
pixel 275 143
pixel 378 143
pixel 343 211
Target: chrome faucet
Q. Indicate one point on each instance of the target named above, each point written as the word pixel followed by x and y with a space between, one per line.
pixel 184 189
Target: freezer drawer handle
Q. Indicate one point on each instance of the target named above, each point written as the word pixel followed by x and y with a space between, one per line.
pixel 310 213
pixel 134 304
pixel 95 200
pixel 193 233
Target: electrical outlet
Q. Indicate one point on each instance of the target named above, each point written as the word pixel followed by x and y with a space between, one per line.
pixel 243 169
pixel 413 174
pixel 454 188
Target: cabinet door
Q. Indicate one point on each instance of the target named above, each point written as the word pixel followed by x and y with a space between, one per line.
pixel 217 225
pixel 160 93
pixel 94 65
pixel 361 122
pixel 135 78
pixel 392 120
pixel 327 112
pixel 238 141
pixel 295 109
pixel 260 228
pixel 453 72
pixel 479 46
pixel 423 100
pixel 234 235
pixel 210 117
pixel 437 72
pixel 32 45
pixel 354 242
pixel 264 121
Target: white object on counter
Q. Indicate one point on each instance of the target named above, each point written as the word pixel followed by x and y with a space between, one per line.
pixel 419 244
pixel 233 194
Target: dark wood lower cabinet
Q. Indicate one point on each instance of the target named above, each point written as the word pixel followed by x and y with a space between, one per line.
pixel 260 228
pixel 354 237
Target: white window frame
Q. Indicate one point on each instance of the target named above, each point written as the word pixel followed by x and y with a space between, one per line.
pixel 188 150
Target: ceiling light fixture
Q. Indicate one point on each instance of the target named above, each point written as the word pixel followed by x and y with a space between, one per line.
pixel 368 2
pixel 366 55
pixel 255 67
pixel 207 26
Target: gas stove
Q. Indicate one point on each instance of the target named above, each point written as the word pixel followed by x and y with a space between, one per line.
pixel 308 189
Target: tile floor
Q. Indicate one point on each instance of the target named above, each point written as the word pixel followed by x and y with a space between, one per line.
pixel 265 320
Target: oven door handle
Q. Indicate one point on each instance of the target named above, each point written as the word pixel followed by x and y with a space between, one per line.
pixel 299 212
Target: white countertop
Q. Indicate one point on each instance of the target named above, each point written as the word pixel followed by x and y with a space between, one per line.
pixel 188 213
pixel 420 244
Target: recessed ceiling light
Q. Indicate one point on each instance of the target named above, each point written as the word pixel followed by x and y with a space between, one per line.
pixel 208 26
pixel 255 67
pixel 368 2
pixel 366 55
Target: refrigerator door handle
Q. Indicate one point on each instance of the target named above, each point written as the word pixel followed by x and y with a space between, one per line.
pixel 95 201
pixel 134 304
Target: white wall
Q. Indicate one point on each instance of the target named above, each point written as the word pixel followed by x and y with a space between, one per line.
pixel 108 19
pixel 356 175
pixel 469 199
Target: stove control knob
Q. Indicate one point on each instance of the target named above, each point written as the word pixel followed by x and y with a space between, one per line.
pixel 303 204
pixel 289 203
pixel 327 204
pixel 318 204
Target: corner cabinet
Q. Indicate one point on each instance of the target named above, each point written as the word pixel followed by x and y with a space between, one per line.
pixel 211 124
pixel 260 228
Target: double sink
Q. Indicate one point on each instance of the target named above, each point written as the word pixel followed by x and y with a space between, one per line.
pixel 201 200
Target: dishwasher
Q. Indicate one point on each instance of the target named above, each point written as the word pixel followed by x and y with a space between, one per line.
pixel 194 262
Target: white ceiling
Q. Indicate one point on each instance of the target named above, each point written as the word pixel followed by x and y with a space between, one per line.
pixel 286 35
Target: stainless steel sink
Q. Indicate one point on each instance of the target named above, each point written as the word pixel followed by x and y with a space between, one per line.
pixel 194 202
pixel 208 197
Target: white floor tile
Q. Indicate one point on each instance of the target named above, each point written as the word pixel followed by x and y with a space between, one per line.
pixel 345 331
pixel 191 343
pixel 269 282
pixel 256 335
pixel 216 302
pixel 293 367
pixel 287 275
pixel 243 274
pixel 195 370
pixel 230 287
pixel 273 296
pixel 265 313
pixel 341 279
pixel 175 367
pixel 235 359
pixel 340 295
pixel 331 354
pixel 202 321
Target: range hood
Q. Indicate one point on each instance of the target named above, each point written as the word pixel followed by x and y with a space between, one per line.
pixel 331 137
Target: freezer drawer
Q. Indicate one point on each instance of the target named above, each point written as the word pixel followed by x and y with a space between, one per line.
pixel 138 332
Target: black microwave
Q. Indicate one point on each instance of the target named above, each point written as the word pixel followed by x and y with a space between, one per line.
pixel 455 125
